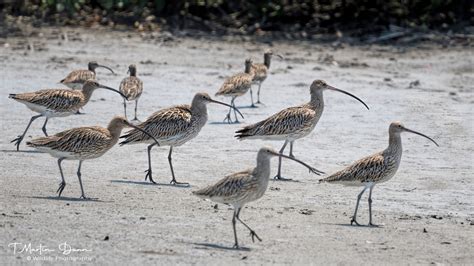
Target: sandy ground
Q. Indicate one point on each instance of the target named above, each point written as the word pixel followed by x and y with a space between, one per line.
pixel 426 210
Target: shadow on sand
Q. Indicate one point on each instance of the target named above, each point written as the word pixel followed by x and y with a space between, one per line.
pixel 216 246
pixel 68 199
pixel 147 183
pixel 29 151
pixel 357 226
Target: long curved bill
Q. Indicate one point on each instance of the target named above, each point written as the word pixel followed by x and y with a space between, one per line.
pixel 423 135
pixel 228 105
pixel 345 92
pixel 148 134
pixel 311 169
pixel 280 56
pixel 114 90
pixel 106 67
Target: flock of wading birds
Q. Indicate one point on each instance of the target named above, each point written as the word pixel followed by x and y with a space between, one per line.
pixel 177 125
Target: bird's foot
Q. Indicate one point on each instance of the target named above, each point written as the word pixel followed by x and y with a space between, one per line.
pixel 174 182
pixel 280 178
pixel 236 246
pixel 353 221
pixel 149 176
pixel 253 235
pixel 79 113
pixel 253 106
pixel 17 142
pixel 259 102
pixel 227 119
pixel 62 185
pixel 136 119
pixel 84 197
pixel 373 225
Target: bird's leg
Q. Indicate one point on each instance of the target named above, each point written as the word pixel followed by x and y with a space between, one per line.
pixel 252 232
pixel 370 205
pixel 236 243
pixel 174 182
pixel 83 196
pixel 62 185
pixel 235 112
pixel 291 149
pixel 353 220
pixel 136 106
pixel 251 99
pixel 44 127
pixel 148 172
pixel 227 118
pixel 125 107
pixel 18 139
pixel 258 93
pixel 278 176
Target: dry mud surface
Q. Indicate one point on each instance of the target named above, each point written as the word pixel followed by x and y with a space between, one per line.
pixel 426 211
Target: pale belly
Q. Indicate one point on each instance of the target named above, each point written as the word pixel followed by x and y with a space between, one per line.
pixel 47 112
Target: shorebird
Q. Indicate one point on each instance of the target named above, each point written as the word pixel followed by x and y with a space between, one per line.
pixel 77 78
pixel 172 127
pixel 246 186
pixel 291 123
pixel 132 87
pixel 374 169
pixel 55 103
pixel 261 72
pixel 235 86
pixel 82 143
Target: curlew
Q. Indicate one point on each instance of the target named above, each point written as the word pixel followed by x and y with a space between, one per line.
pixel 291 123
pixel 132 88
pixel 243 187
pixel 55 103
pixel 77 78
pixel 377 168
pixel 172 127
pixel 83 143
pixel 261 72
pixel 235 86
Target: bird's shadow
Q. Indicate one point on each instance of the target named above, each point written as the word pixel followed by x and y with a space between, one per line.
pixel 217 246
pixel 147 183
pixel 67 199
pixel 357 226
pixel 247 107
pixel 27 151
pixel 223 123
pixel 286 180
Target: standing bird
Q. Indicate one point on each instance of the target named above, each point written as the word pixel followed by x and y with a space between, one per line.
pixel 56 103
pixel 172 127
pixel 374 169
pixel 261 72
pixel 77 78
pixel 243 187
pixel 132 87
pixel 235 86
pixel 82 143
pixel 292 123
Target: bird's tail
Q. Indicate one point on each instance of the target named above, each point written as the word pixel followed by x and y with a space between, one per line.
pixel 133 136
pixel 62 81
pixel 12 96
pixel 40 142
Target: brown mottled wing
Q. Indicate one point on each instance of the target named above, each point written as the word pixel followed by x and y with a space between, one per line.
pixel 237 84
pixel 78 76
pixel 132 87
pixel 165 124
pixel 60 100
pixel 260 72
pixel 230 187
pixel 288 121
pixel 368 169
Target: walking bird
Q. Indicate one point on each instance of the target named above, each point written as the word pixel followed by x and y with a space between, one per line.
pixel 77 78
pixel 56 103
pixel 291 123
pixel 261 72
pixel 172 127
pixel 246 186
pixel 132 87
pixel 83 143
pixel 377 168
pixel 235 86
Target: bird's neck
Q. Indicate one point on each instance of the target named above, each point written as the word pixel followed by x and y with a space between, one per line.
pixel 92 69
pixel 133 73
pixel 394 143
pixel 317 101
pixel 263 168
pixel 115 130
pixel 267 60
pixel 87 93
pixel 198 108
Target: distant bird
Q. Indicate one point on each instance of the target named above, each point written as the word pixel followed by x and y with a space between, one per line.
pixel 377 168
pixel 77 78
pixel 56 103
pixel 235 86
pixel 261 72
pixel 132 87
pixel 291 123
pixel 82 143
pixel 172 127
pixel 243 187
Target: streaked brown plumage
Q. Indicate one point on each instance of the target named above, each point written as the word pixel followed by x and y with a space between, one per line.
pixel 81 144
pixel 261 72
pixel 132 87
pixel 291 123
pixel 235 86
pixel 56 103
pixel 245 186
pixel 77 78
pixel 377 168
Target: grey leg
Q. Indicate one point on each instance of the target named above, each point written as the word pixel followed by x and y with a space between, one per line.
pixel 44 127
pixel 252 232
pixel 291 149
pixel 251 98
pixel 227 118
pixel 125 108
pixel 149 172
pixel 136 106
pixel 236 242
pixel 174 182
pixel 278 176
pixel 83 196
pixel 62 185
pixel 370 205
pixel 18 140
pixel 258 92
pixel 235 112
pixel 353 220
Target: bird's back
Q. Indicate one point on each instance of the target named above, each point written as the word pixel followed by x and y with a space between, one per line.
pixel 58 100
pixel 260 72
pixel 78 77
pixel 132 87
pixel 236 85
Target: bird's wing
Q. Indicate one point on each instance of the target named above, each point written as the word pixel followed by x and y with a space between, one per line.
pixel 229 186
pixel 260 72
pixel 132 87
pixel 368 169
pixel 237 83
pixel 78 76
pixel 55 99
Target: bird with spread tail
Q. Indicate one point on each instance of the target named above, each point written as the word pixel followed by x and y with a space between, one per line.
pixel 77 78
pixel 83 143
pixel 261 72
pixel 235 86
pixel 374 169
pixel 132 87
pixel 56 103
pixel 172 127
pixel 291 123
pixel 246 186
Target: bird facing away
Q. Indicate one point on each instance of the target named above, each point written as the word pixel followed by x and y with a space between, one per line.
pixel 261 72
pixel 235 86
pixel 56 103
pixel 172 127
pixel 291 123
pixel 243 187
pixel 377 168
pixel 82 143
pixel 77 78
pixel 132 87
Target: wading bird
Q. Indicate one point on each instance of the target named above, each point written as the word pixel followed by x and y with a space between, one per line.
pixel 77 78
pixel 261 72
pixel 132 88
